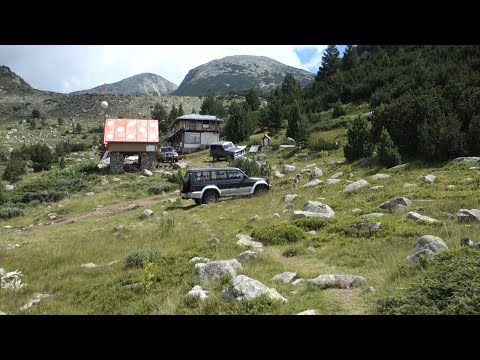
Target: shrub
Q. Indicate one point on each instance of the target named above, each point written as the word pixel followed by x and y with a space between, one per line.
pixel 279 234
pixel 9 212
pixel 387 153
pixel 251 167
pixel 43 196
pixel 140 256
pixel 35 114
pixel 449 284
pixel 358 135
pixel 338 110
pixel 14 170
pixel 41 157
pixel 309 224
pixel 322 144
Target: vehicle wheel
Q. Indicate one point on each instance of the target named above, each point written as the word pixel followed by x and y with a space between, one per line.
pixel 198 201
pixel 209 197
pixel 261 190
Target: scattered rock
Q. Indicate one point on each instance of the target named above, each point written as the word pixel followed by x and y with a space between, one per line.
pixel 213 241
pixel 337 281
pixel 132 206
pixel 465 215
pixel 333 181
pixel 37 297
pixel 246 240
pixel 368 226
pixel 469 159
pixel 298 282
pixel 198 292
pixel 380 176
pixel 52 216
pixel 371 289
pixel 417 217
pixel 314 209
pixel 288 168
pixel 427 245
pixel 355 186
pixel 245 288
pixel 279 175
pixel 308 312
pixel 247 255
pixel 146 213
pixel 276 215
pixel 146 172
pixel 255 218
pixel 371 215
pixel 407 185
pixel 115 179
pixel 9 187
pixel 180 165
pixel 216 269
pixel 89 266
pixel 290 141
pixel 102 182
pixel 428 179
pixel 467 242
pixel 132 286
pixel 8 227
pixel 450 187
pixel 285 277
pixel 379 187
pixel 356 211
pixel 311 249
pixel 467 180
pixel 289 198
pixel 197 259
pixel 113 262
pixel 313 183
pixel 336 175
pixel 474 168
pixel 401 166
pixel 317 172
pixel 89 193
pixel 312 232
pixel 389 204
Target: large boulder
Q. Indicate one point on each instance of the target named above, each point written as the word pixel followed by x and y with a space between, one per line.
pixel 427 245
pixel 465 215
pixel 314 209
pixel 246 240
pixel 337 281
pixel 288 168
pixel 317 172
pixel 216 269
pixel 245 288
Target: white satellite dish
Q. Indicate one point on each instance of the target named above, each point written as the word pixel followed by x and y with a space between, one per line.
pixel 104 104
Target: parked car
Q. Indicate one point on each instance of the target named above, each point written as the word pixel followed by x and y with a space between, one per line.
pixel 206 185
pixel 167 153
pixel 225 150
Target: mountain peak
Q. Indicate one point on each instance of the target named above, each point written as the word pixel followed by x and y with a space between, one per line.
pixel 238 73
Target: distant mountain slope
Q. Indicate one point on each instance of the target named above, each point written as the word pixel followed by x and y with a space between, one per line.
pixel 12 83
pixel 141 84
pixel 239 73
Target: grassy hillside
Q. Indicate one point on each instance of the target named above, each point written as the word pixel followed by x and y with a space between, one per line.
pixel 103 230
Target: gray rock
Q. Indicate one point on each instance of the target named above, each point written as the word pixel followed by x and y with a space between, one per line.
pixel 337 281
pixel 289 198
pixel 216 269
pixel 115 179
pixel 336 175
pixel 132 207
pixel 245 240
pixel 368 226
pixel 427 245
pixel 312 232
pixel 288 168
pixel 355 185
pixel 311 249
pixel 356 211
pixel 261 157
pixel 317 172
pixel 467 242
pixel 371 289
pixel 379 187
pixel 180 165
pixel 306 171
pixel 285 277
pixel 247 255
pixel 213 241
pixel 313 183
pixel 9 187
pixel 298 282
pixel 407 185
pixel 402 201
pixel 297 214
pixel 89 266
pixel 245 288
pixel 276 215
pixel 197 259
pixel 308 312
pixel 465 215
pixel 422 218
pixel 37 297
pixel 290 141
pixel 428 179
pixel 89 193
pixel 52 216
pixel 113 262
pixel 474 168
pixel 198 292
pixel 401 166
pixel 279 175
pixel 132 286
pixel 467 180
pixel 333 181
pixel 166 174
pixel 450 187
pixel 380 176
pixel 146 213
pixel 8 227
pixel 371 215
pixel 146 172
pixel 255 218
pixel 318 207
pixel 469 159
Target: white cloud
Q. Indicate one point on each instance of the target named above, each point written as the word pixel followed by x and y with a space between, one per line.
pixel 79 67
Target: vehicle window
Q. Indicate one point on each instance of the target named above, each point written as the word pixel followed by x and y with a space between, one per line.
pixel 203 176
pixel 220 175
pixel 237 175
pixel 228 146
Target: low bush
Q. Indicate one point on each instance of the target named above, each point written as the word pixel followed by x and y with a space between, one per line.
pixel 9 212
pixel 308 224
pixel 138 257
pixel 251 167
pixel 279 234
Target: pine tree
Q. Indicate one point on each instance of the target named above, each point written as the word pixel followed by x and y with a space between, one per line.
pixel 172 115
pixel 159 113
pixel 350 58
pixel 212 106
pixel 290 89
pixel 293 120
pixel 252 99
pixel 275 111
pixel 62 163
pixel 330 63
pixel 388 154
pixel 180 110
pixel 358 135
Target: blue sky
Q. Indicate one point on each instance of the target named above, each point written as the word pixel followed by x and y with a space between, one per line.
pixel 67 68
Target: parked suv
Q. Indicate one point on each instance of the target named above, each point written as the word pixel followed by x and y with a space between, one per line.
pixel 225 150
pixel 206 185
pixel 167 153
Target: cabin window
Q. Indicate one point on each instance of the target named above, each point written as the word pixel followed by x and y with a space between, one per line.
pixel 192 138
